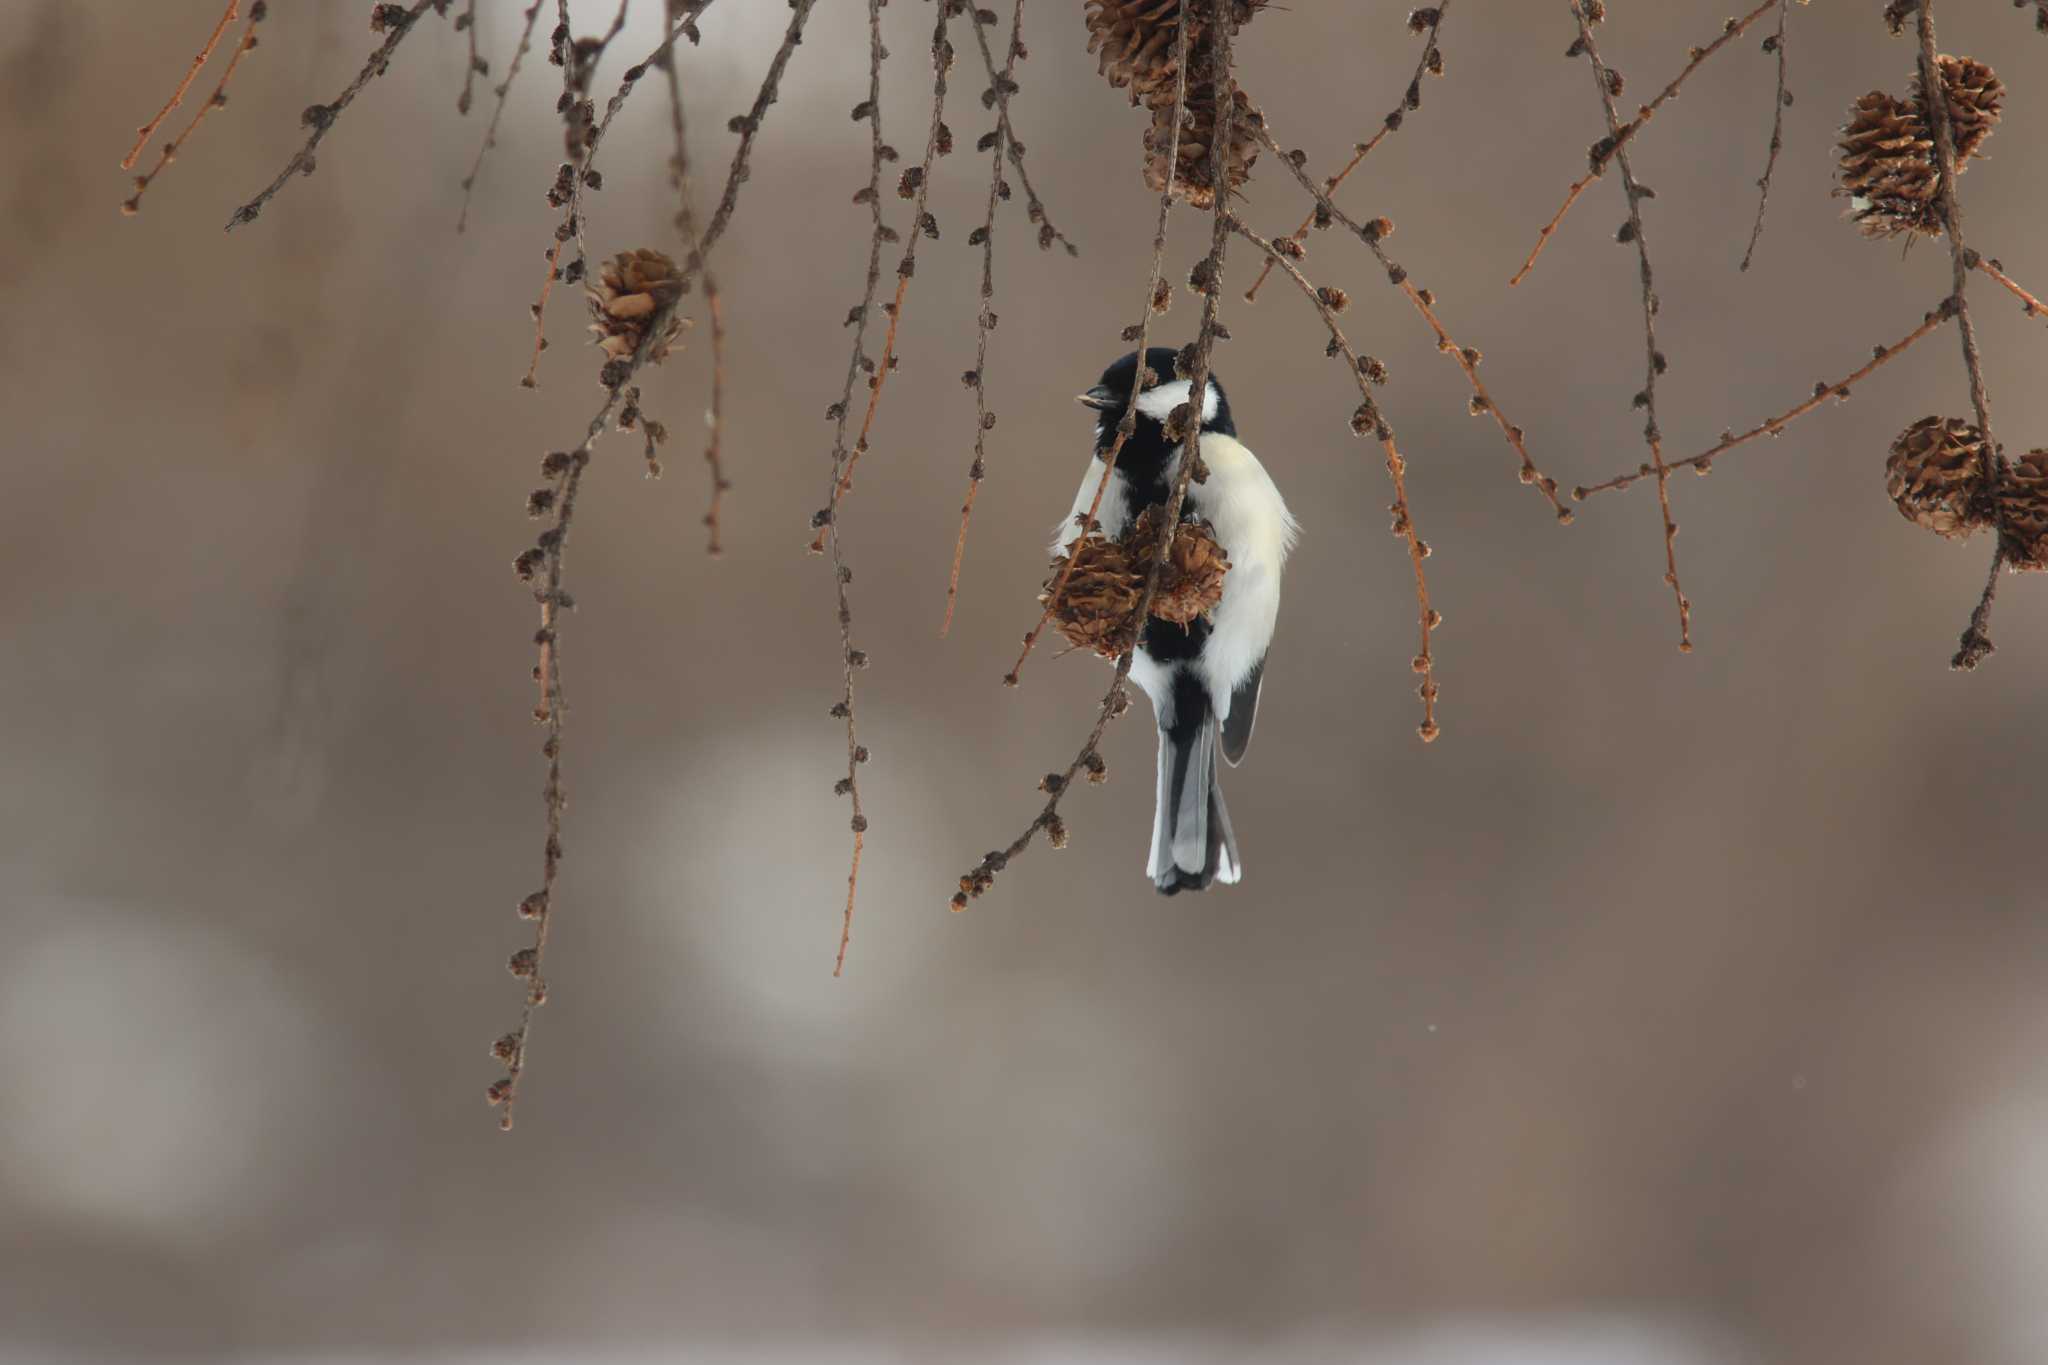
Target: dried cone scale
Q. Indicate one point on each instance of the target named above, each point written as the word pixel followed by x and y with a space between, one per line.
pixel 631 288
pixel 2023 511
pixel 1098 610
pixel 1936 476
pixel 1888 166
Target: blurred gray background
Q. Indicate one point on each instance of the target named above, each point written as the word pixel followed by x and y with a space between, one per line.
pixel 1669 1010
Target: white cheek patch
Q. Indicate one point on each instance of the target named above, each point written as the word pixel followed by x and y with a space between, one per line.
pixel 1158 403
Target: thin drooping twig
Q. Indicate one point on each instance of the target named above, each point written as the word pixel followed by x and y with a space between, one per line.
pixel 1653 359
pixel 1619 133
pixel 1374 234
pixel 148 130
pixel 476 65
pixel 542 565
pixel 985 318
pixel 1209 275
pixel 1839 389
pixel 1002 85
pixel 827 519
pixel 693 239
pixel 1426 21
pixel 1976 644
pixel 498 92
pixel 243 47
pixel 2032 306
pixel 1157 296
pixel 1774 44
pixel 322 117
pixel 1368 420
pixel 915 184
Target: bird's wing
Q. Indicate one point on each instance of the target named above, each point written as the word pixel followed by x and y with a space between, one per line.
pixel 1244 709
pixel 1111 515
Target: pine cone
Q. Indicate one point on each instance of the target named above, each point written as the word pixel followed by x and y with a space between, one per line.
pixel 1976 97
pixel 1133 42
pixel 1194 172
pixel 631 289
pixel 2023 510
pixel 1099 608
pixel 1936 476
pixel 1889 169
pixel 1191 584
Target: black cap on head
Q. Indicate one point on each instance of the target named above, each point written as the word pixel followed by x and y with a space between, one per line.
pixel 1113 390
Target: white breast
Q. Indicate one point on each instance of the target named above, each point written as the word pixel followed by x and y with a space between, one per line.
pixel 1256 530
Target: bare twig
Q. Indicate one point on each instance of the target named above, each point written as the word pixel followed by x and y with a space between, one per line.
pixel 1210 274
pixel 247 44
pixel 915 184
pixel 1002 85
pixel 1374 234
pixel 498 92
pixel 397 23
pixel 1368 420
pixel 2032 306
pixel 1619 133
pixel 1426 21
pixel 1976 643
pixel 985 317
pixel 1774 44
pixel 1653 365
pixel 476 65
pixel 148 130
pixel 748 125
pixel 693 239
pixel 542 565
pixel 1839 389
pixel 827 519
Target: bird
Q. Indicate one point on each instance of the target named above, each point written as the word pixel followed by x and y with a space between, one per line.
pixel 1203 678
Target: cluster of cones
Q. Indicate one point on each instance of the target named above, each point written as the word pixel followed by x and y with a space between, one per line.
pixel 1943 478
pixel 1889 170
pixel 1098 610
pixel 1135 43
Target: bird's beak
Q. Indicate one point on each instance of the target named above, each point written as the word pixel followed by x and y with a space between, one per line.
pixel 1098 397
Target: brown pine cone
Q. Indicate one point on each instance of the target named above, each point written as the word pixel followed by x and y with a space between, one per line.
pixel 1936 476
pixel 1888 170
pixel 1191 584
pixel 1888 166
pixel 631 289
pixel 1098 610
pixel 1976 97
pixel 2023 511
pixel 1194 176
pixel 1133 42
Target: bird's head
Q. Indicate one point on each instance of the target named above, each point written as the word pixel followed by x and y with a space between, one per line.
pixel 1163 392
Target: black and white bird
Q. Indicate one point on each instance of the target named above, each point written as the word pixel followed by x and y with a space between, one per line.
pixel 1203 678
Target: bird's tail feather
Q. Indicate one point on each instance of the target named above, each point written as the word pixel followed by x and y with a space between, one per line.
pixel 1192 841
